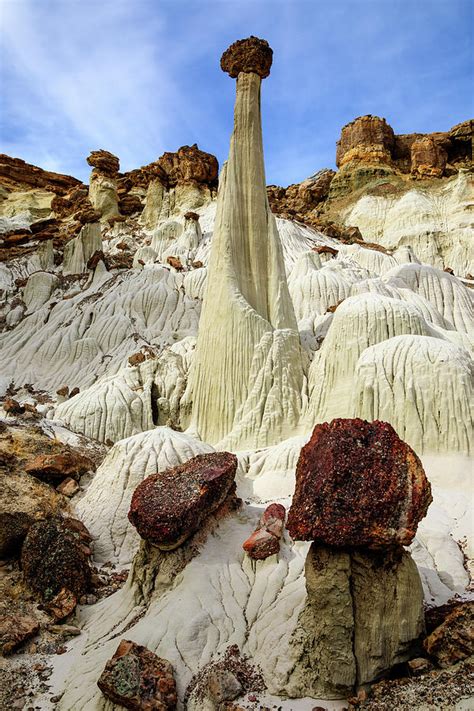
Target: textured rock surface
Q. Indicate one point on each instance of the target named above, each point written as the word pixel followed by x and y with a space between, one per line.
pixel 104 161
pixel 55 555
pixel 368 139
pixel 248 55
pixel 265 540
pixel 388 610
pixel 358 484
pixel 137 679
pixel 453 640
pixel 247 315
pixel 169 506
pixel 322 641
pixel 363 614
pixel 15 629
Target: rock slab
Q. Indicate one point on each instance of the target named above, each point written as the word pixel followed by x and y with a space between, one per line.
pixel 170 506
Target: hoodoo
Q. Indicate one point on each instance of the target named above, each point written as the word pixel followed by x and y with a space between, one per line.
pixel 243 393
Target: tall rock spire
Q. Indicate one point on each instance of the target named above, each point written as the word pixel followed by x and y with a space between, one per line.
pixel 248 377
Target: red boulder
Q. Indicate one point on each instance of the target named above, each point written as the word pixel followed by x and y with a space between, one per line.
pixel 359 485
pixel 170 506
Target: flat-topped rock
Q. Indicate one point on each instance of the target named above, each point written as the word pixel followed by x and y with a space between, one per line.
pixel 358 485
pixel 170 506
pixel 248 55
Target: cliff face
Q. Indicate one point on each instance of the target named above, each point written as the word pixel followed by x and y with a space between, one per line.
pixel 398 190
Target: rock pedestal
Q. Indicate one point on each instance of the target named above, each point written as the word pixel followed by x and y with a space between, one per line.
pixel 103 183
pixel 360 494
pixel 247 321
pixel 363 613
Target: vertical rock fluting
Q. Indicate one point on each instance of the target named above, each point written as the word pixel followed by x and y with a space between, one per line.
pixel 248 376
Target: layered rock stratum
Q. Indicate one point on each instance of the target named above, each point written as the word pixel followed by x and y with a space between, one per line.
pixel 163 314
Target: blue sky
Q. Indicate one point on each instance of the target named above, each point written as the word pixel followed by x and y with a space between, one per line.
pixel 138 77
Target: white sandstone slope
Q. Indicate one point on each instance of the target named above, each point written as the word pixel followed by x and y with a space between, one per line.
pixel 437 223
pixel 248 328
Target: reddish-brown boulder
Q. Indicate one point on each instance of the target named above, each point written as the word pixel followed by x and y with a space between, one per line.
pixel 188 165
pixel 358 485
pixel 15 629
pixel 453 640
pixel 62 604
pixel 139 680
pixel 265 540
pixel 55 554
pixel 248 55
pixel 56 467
pixel 104 162
pixel 170 506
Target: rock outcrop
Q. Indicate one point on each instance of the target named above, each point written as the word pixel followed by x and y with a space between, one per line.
pixel 103 184
pixel 170 506
pixel 137 679
pixel 247 315
pixel 348 461
pixel 265 540
pixel 56 467
pixel 16 175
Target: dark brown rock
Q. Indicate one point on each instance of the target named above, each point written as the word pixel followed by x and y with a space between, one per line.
pixel 56 467
pixel 137 679
pixel 42 225
pixel 15 174
pixel 265 540
pixel 97 257
pixel 12 406
pixel 136 358
pixel 129 204
pixel 358 485
pixel 54 555
pixel 191 216
pixel 104 162
pixel 15 629
pixel 453 640
pixel 248 55
pixel 296 201
pixel 169 506
pixel 175 262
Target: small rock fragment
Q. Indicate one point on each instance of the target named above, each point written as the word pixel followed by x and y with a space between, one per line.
pixel 57 467
pixel 68 487
pixel 265 540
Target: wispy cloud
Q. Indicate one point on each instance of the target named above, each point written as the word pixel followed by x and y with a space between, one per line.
pixel 138 77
